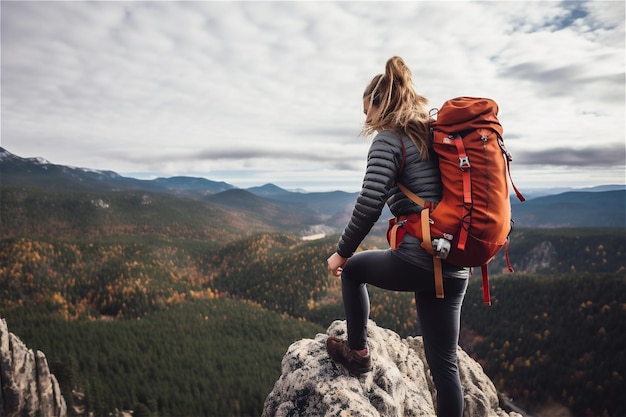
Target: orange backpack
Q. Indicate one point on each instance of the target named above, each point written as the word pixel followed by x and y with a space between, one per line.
pixel 472 221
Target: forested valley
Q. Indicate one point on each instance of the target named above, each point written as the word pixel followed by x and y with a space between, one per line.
pixel 170 307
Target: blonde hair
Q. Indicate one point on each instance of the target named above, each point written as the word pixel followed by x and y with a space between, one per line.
pixel 398 106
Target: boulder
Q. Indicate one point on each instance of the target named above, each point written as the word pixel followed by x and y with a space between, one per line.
pixel 311 384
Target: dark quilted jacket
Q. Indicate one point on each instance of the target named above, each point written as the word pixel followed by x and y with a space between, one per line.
pixel 384 170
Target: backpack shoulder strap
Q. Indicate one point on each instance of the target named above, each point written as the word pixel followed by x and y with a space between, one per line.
pixel 414 197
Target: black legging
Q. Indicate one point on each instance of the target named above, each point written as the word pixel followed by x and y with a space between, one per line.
pixel 439 318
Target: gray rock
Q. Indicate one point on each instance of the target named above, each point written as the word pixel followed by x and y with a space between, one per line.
pixel 28 387
pixel 540 258
pixel 400 385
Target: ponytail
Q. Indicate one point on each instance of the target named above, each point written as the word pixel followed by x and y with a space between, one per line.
pixel 400 107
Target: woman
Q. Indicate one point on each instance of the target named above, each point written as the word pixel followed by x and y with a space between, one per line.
pixel 400 152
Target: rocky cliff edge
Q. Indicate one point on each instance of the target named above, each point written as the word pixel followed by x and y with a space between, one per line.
pixel 28 387
pixel 400 385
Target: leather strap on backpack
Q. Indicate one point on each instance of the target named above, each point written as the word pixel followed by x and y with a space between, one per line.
pixel 429 248
pixel 415 198
pixel 393 236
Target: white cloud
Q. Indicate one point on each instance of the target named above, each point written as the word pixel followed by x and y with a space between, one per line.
pixel 273 88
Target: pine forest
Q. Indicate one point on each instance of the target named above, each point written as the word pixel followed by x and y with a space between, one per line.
pixel 168 306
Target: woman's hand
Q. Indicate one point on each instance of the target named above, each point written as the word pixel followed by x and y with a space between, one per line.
pixel 336 263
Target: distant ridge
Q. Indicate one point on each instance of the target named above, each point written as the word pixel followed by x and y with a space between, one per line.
pixel 573 209
pixel 39 172
pixel 532 193
pixel 193 184
pixel 600 206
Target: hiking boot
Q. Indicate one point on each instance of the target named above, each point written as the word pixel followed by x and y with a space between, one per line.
pixel 340 352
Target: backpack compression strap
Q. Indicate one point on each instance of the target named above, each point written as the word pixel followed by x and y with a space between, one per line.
pixel 508 159
pixel 486 295
pixel 464 166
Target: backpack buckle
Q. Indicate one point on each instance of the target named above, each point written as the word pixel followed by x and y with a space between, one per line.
pixel 503 149
pixel 441 248
pixel 464 163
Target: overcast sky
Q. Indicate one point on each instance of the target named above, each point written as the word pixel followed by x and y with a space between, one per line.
pixel 257 92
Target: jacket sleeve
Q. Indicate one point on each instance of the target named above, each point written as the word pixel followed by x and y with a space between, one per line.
pixel 384 162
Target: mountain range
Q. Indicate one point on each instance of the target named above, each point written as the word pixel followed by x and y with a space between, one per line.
pixel 310 213
pixel 117 279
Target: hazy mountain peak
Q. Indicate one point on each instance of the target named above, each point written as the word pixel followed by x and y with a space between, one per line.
pixel 4 154
pixel 8 156
pixel 267 190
